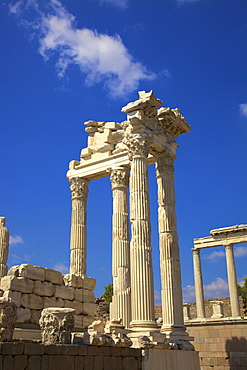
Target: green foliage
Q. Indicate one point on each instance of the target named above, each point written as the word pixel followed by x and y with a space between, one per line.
pixel 242 291
pixel 108 293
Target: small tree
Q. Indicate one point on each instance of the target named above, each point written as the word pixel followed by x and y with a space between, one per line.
pixel 242 291
pixel 108 293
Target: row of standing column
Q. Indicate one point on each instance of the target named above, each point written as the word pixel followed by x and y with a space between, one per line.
pixel 232 282
pixel 136 283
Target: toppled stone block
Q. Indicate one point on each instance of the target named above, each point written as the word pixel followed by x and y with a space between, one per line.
pixel 23 315
pixel 52 302
pixel 89 308
pixel 20 284
pixel 14 296
pixel 54 276
pixel 32 301
pixel 64 292
pixel 44 289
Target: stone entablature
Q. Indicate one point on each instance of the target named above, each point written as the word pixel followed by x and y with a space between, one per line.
pixel 35 288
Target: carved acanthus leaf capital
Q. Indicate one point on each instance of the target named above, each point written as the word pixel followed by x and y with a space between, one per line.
pixel 119 177
pixel 79 187
pixel 137 146
pixel 165 164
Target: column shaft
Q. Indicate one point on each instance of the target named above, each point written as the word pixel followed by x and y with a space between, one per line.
pixel 142 288
pixel 200 308
pixel 232 281
pixel 171 293
pixel 78 236
pixel 121 300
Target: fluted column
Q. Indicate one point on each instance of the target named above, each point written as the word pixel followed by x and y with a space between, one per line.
pixel 200 308
pixel 121 300
pixel 232 280
pixel 142 288
pixel 171 293
pixel 4 247
pixel 78 236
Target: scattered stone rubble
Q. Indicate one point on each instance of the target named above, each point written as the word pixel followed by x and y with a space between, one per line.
pixel 35 288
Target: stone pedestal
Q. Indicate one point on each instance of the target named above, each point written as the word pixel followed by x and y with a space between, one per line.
pixel 142 289
pixel 8 318
pixel 218 309
pixel 56 325
pixel 121 300
pixel 171 293
pixel 200 308
pixel 232 281
pixel 78 237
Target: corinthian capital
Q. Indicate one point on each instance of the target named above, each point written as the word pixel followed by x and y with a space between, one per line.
pixel 79 187
pixel 165 164
pixel 137 146
pixel 119 177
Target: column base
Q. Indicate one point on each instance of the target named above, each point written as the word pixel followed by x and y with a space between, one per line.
pixel 143 326
pixel 145 339
pixel 176 332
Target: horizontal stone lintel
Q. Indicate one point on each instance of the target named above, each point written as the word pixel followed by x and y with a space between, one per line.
pixel 220 240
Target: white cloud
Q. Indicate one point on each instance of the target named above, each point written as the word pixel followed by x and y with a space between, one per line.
pixel 217 289
pixel 17 259
pixel 243 109
pixel 15 239
pixel 157 298
pixel 16 8
pixel 189 293
pixel 122 4
pixel 61 267
pixel 99 57
pixel 214 256
pixel 240 251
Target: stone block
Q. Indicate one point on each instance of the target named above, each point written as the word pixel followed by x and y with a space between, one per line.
pixel 98 363
pixel 54 276
pixel 68 304
pixel 87 320
pixel 20 284
pixel 14 296
pixel 34 363
pixel 79 363
pixel 111 362
pixel 32 272
pixel 44 289
pixel 34 349
pixel 53 302
pixel 8 362
pixel 35 316
pixel 32 301
pixel 78 307
pixel 78 294
pixel 12 348
pixel 83 295
pixel 112 126
pixel 53 349
pixel 69 349
pixel 20 362
pixel 88 362
pixel 64 292
pixel 61 362
pixel 70 280
pixel 89 308
pixel 88 283
pixel 23 315
pixel 78 321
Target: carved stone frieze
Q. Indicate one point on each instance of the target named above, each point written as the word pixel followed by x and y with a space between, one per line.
pixel 79 187
pixel 56 325
pixel 8 318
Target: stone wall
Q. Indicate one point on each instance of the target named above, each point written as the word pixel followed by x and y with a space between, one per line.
pixel 33 288
pixel 35 356
pixel 208 308
pixel 222 345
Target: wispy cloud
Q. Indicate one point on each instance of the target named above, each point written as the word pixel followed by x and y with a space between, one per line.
pixel 157 298
pixel 15 239
pixel 61 267
pixel 99 57
pixel 240 251
pixel 214 256
pixel 18 259
pixel 243 109
pixel 122 4
pixel 217 289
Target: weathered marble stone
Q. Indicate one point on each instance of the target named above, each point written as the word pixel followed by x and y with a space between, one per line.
pixel 20 284
pixel 35 316
pixel 52 302
pixel 32 272
pixel 56 325
pixel 14 296
pixel 7 319
pixel 23 315
pixel 83 295
pixel 44 289
pixel 64 292
pixel 89 308
pixel 54 276
pixel 88 283
pixel 4 247
pixel 32 301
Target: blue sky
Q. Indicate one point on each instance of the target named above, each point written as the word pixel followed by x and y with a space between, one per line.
pixel 63 63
